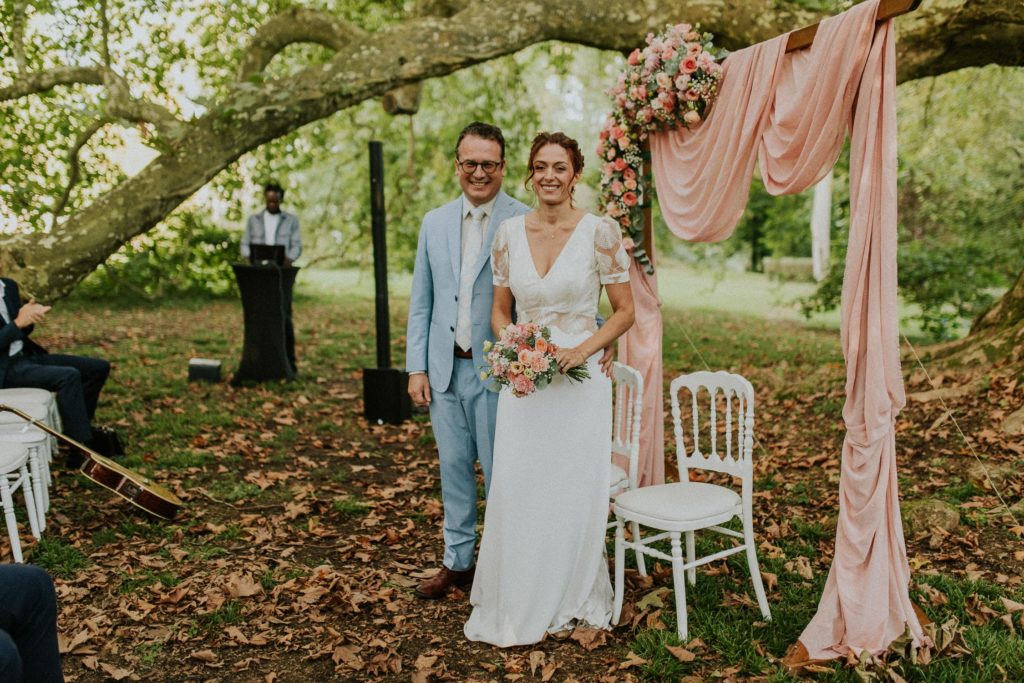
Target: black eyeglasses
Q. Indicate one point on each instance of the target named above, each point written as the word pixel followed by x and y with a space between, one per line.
pixel 469 166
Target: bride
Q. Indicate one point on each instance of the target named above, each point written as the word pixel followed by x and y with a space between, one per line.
pixel 542 566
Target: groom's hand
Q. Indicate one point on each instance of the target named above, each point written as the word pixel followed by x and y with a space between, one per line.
pixel 419 389
pixel 607 358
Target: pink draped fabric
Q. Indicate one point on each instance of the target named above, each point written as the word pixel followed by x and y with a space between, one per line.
pixel 640 348
pixel 792 112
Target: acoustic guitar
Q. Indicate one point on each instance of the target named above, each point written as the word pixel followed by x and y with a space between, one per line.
pixel 138 490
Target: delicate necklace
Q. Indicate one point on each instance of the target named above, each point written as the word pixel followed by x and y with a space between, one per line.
pixel 553 230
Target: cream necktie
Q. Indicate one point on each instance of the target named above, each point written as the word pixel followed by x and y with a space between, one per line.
pixel 467 274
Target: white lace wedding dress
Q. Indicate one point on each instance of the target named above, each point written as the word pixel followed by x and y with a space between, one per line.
pixel 542 565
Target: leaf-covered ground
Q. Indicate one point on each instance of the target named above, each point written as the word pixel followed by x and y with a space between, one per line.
pixel 306 529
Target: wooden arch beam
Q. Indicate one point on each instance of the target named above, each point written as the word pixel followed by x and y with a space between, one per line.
pixel 887 9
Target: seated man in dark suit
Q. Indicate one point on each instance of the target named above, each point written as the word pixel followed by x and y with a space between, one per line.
pixel 28 626
pixel 77 380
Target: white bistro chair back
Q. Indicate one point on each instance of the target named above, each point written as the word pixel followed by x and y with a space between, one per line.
pixel 629 398
pixel 15 429
pixel 629 401
pixel 716 433
pixel 14 475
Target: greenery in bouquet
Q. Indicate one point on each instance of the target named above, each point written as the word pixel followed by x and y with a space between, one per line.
pixel 523 359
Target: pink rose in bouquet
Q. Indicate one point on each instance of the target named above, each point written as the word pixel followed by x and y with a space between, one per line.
pixel 523 359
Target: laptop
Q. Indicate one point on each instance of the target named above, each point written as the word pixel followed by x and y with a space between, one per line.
pixel 264 254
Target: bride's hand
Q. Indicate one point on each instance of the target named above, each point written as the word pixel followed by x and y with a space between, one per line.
pixel 569 358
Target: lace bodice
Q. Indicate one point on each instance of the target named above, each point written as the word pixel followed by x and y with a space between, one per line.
pixel 567 296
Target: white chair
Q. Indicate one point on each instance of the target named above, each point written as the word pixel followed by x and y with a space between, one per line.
pixel 684 507
pixel 14 475
pixel 13 395
pixel 14 428
pixel 39 446
pixel 629 398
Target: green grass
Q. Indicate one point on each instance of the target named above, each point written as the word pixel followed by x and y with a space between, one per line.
pixel 59 557
pixel 738 321
pixel 231 491
pixel 960 493
pixel 734 632
pixel 148 653
pixel 131 583
pixel 226 615
pixel 350 507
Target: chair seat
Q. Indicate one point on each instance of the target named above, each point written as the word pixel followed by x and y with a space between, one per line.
pixel 618 481
pixel 19 434
pixel 680 502
pixel 38 411
pixel 25 394
pixel 12 456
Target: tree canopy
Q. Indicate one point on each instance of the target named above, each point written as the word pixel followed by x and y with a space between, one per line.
pixel 203 83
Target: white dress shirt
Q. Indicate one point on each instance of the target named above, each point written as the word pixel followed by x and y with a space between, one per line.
pixel 270 223
pixel 475 220
pixel 16 346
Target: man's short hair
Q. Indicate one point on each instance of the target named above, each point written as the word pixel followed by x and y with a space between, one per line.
pixel 274 187
pixel 482 130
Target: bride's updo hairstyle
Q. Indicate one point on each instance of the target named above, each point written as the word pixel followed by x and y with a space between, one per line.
pixel 563 141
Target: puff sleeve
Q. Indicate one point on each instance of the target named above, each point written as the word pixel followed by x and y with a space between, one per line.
pixel 499 256
pixel 612 259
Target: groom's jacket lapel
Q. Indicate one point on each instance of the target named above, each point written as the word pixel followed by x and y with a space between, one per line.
pixel 452 221
pixel 501 205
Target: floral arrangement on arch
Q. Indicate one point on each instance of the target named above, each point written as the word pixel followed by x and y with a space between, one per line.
pixel 669 83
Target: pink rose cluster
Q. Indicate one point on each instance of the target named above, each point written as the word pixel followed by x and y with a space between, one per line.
pixel 523 359
pixel 668 84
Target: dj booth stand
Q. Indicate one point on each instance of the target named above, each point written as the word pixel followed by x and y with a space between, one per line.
pixel 268 349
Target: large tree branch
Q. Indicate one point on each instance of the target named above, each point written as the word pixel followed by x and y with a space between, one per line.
pixel 18 36
pixel 414 50
pixel 940 37
pixel 41 81
pixel 297 25
pixel 120 104
pixel 74 165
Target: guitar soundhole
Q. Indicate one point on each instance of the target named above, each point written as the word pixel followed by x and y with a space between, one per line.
pixel 130 489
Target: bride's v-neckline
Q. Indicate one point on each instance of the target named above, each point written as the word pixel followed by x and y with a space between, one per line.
pixel 529 249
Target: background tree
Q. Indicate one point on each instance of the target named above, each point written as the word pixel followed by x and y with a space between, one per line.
pixel 204 83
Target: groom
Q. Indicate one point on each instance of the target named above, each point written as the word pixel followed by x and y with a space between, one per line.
pixel 449 320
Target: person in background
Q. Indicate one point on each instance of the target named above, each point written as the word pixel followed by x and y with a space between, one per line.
pixel 77 380
pixel 274 226
pixel 28 626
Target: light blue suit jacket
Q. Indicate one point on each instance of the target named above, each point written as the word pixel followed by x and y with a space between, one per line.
pixel 433 303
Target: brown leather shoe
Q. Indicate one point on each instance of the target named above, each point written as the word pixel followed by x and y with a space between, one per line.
pixel 438 586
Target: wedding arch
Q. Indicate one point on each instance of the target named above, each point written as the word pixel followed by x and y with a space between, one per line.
pixel 789 110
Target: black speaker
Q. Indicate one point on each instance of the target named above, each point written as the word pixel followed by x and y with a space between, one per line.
pixel 386 395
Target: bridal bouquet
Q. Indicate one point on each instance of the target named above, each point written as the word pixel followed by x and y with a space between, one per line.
pixel 523 359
